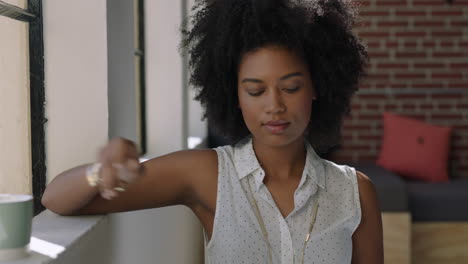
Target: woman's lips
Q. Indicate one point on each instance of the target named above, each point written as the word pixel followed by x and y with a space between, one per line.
pixel 276 129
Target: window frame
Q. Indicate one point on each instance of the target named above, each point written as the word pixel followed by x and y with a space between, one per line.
pixel 33 16
pixel 142 73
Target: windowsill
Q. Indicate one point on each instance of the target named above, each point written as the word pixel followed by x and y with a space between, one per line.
pixel 52 235
pixel 56 239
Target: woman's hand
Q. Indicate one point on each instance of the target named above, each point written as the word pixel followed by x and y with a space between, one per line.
pixel 120 166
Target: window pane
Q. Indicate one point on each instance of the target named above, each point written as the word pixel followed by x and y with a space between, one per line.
pixel 15 143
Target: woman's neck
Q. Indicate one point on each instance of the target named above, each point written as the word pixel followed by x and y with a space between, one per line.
pixel 281 163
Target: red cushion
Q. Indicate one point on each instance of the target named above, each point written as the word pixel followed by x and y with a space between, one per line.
pixel 414 149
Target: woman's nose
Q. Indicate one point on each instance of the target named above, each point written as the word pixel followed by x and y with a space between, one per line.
pixel 275 103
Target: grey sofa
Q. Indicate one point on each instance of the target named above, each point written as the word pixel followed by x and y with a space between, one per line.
pixel 427 202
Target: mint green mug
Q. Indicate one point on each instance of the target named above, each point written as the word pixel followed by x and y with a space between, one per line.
pixel 16 213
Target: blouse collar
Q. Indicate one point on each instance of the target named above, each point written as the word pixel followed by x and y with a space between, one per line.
pixel 246 163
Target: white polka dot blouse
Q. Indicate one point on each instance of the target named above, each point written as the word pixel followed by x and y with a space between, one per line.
pixel 237 235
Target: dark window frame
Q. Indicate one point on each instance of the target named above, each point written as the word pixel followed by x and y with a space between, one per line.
pixel 142 73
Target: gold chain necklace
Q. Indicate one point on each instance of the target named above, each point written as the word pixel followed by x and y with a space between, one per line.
pixel 265 233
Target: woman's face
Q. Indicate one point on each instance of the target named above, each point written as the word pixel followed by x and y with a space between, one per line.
pixel 274 85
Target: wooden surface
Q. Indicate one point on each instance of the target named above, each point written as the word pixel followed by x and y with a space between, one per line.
pixel 397 237
pixel 440 242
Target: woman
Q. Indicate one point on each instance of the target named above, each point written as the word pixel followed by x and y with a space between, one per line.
pixel 276 79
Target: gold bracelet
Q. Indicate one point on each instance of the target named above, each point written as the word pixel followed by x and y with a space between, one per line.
pixel 92 174
pixel 93 177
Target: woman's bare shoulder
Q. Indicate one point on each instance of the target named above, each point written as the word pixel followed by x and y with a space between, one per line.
pixel 200 170
pixel 368 237
pixel 205 179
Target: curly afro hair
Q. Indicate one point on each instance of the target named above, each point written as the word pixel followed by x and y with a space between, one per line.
pixel 319 31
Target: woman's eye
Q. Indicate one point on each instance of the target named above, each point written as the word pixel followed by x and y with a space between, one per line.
pixel 292 90
pixel 256 94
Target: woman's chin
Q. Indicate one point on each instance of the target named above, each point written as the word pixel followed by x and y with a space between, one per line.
pixel 277 140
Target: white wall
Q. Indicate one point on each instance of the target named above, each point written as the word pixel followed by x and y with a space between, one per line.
pixel 122 92
pixel 15 124
pixel 171 234
pixel 75 62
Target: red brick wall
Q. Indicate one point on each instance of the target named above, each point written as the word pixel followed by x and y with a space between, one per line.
pixel 418 67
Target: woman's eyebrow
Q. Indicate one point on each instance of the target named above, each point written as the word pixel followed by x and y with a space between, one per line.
pixel 289 75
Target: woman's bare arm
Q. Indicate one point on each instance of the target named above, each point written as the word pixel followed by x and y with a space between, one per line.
pixel 166 180
pixel 68 190
pixel 368 237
